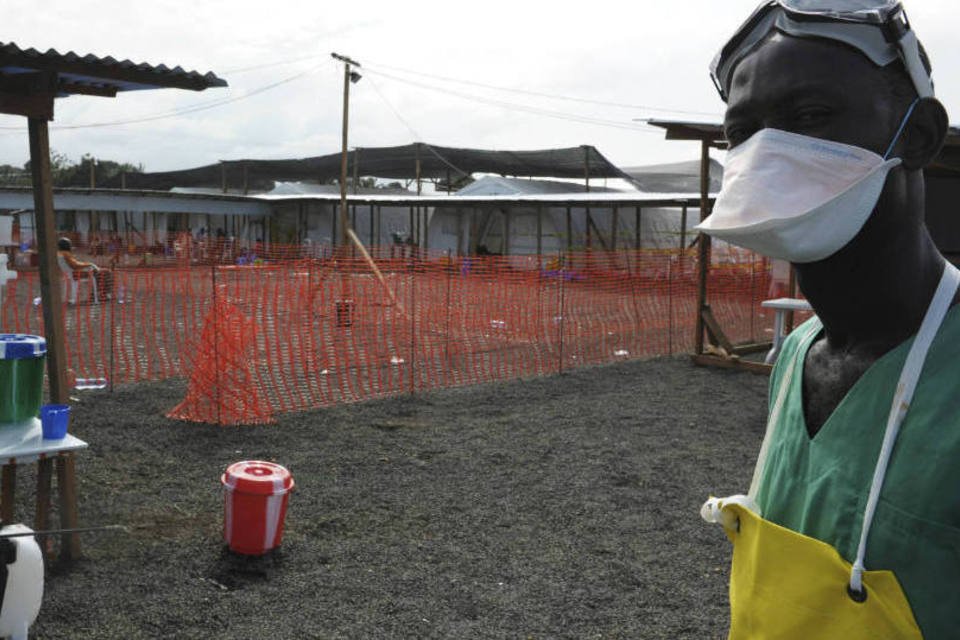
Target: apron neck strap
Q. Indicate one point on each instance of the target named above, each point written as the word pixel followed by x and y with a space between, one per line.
pixel 907 384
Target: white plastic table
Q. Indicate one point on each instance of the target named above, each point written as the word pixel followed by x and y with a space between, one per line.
pixel 782 306
pixel 24 444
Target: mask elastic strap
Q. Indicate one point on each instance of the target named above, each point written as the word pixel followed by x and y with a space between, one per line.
pixel 903 125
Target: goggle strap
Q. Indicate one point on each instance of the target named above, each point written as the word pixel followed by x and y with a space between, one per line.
pixel 910 52
pixel 903 125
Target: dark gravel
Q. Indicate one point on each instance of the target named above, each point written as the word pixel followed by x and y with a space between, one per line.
pixel 560 507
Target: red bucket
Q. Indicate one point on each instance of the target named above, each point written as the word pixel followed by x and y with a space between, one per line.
pixel 255 505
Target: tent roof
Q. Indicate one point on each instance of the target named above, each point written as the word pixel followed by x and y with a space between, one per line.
pixel 70 73
pixel 676 177
pixel 388 162
pixel 499 186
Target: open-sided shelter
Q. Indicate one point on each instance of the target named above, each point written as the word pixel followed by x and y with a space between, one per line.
pixel 30 82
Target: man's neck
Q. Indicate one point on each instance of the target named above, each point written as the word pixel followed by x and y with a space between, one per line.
pixel 872 301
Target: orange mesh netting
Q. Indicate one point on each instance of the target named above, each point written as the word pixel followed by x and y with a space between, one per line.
pixel 221 387
pixel 302 331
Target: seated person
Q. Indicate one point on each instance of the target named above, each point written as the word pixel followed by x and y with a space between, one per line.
pixel 65 251
pixel 65 256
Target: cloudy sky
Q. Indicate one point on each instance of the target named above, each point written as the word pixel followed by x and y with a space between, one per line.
pixel 503 75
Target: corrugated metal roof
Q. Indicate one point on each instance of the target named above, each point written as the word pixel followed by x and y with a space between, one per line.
pixel 90 74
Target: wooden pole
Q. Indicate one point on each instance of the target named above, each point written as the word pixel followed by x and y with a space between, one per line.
pixel 703 245
pixel 223 176
pixel 683 229
pixel 356 170
pixel 344 222
pixel 615 228
pixel 637 228
pixel 506 231
pixel 46 230
pixel 539 233
pixel 569 231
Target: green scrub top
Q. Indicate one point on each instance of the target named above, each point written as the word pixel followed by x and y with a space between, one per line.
pixel 819 486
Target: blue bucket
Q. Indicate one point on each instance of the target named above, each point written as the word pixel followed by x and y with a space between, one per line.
pixel 54 419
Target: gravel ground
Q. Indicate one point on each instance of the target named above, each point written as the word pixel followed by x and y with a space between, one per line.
pixel 560 507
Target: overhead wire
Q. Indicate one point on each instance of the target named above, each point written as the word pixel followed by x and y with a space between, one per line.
pixel 542 94
pixel 562 115
pixel 202 106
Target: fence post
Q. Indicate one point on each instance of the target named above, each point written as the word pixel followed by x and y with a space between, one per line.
pixel 446 338
pixel 413 323
pixel 216 339
pixel 563 278
pixel 113 337
pixel 670 304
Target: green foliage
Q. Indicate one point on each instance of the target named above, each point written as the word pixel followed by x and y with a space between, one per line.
pixel 66 173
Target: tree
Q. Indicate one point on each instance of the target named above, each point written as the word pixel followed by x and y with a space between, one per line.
pixel 69 174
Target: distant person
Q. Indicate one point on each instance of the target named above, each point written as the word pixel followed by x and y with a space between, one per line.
pixel 851 529
pixel 65 251
pixel 77 268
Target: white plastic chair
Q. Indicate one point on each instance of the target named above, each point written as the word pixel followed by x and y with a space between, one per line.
pixel 72 282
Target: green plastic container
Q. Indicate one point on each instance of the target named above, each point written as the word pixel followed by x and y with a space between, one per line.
pixel 21 377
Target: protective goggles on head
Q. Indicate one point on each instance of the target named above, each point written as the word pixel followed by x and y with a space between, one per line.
pixel 877 28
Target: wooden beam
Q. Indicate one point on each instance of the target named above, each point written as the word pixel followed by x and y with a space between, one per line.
pixel 102 91
pixel 50 286
pixel 38 106
pixel 593 225
pixel 716 332
pixel 704 360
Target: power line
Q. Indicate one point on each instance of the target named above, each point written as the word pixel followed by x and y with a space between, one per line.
pixel 202 106
pixel 561 115
pixel 540 94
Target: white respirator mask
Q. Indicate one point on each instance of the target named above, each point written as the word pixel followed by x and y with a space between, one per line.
pixel 798 198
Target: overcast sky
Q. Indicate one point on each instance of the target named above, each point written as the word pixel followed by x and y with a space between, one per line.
pixel 647 58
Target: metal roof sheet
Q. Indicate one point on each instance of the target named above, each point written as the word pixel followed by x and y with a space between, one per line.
pixel 90 74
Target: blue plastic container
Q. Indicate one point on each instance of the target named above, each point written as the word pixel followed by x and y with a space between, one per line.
pixel 54 419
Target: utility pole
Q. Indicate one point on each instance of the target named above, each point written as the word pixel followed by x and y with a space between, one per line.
pixel 349 76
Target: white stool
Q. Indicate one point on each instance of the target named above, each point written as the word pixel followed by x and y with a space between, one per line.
pixel 781 306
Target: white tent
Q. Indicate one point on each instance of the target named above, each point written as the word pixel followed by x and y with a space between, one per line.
pixel 521 228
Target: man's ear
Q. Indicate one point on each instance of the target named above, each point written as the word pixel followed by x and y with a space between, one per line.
pixel 925 134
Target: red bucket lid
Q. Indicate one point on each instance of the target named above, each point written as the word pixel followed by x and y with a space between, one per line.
pixel 257 476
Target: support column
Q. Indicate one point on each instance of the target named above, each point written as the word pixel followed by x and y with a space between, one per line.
pixel 50 285
pixel 703 245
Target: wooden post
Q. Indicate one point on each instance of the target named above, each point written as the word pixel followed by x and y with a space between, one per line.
pixel 569 231
pixel 67 484
pixel 703 245
pixel 344 223
pixel 374 238
pixel 615 228
pixel 683 230
pixel 636 242
pixel 46 230
pixel 586 167
pixel 223 176
pixel 506 231
pixel 246 184
pixel 417 220
pixel 356 170
pixel 539 233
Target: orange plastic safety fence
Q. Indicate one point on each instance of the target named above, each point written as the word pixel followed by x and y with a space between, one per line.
pixel 296 332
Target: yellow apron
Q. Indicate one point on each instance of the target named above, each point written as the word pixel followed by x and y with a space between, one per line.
pixel 788 586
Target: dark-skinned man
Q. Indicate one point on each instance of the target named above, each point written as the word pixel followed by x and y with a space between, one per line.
pixel 851 528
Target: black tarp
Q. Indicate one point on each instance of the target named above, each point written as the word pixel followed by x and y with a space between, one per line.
pixel 397 163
